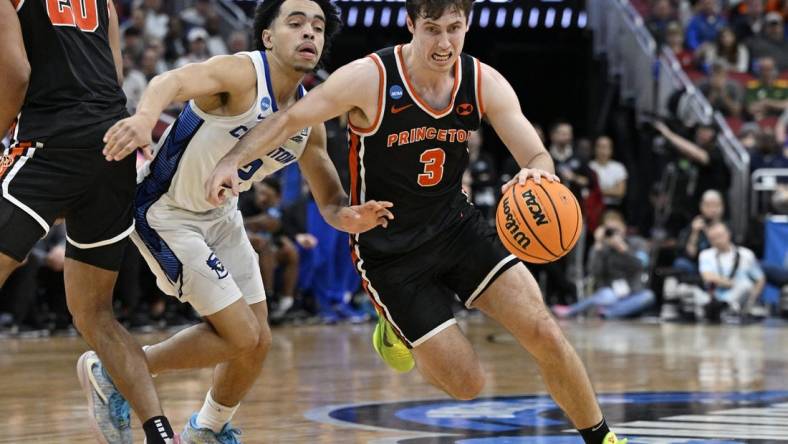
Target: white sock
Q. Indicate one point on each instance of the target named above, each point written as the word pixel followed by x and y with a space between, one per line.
pixel 214 415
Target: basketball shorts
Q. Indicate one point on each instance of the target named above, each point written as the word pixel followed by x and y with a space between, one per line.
pixel 94 196
pixel 204 259
pixel 415 290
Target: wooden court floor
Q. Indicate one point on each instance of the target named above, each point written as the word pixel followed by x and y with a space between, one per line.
pixel 324 384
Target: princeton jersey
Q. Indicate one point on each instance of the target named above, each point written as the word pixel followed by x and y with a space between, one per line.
pixel 413 155
pixel 191 147
pixel 73 95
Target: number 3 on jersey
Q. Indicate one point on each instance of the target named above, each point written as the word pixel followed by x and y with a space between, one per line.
pixel 433 167
pixel 82 14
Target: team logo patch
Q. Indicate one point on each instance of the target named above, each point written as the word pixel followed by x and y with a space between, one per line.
pixel 661 417
pixel 216 265
pixel 5 162
pixel 464 109
pixel 395 92
pixel 265 103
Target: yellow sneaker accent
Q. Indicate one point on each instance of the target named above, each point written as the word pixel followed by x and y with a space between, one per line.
pixel 611 438
pixel 390 347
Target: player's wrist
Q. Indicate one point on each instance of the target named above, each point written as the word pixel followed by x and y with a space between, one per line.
pixel 148 117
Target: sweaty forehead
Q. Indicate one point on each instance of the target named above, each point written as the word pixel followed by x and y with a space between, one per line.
pixel 450 15
pixel 305 7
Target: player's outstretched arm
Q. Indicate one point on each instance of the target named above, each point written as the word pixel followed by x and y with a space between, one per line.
pixel 502 109
pixel 114 40
pixel 217 75
pixel 323 180
pixel 15 71
pixel 345 89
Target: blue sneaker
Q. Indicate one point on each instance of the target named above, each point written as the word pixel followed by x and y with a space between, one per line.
pixel 110 413
pixel 193 434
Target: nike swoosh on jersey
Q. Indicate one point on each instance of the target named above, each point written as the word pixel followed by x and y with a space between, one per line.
pixel 397 110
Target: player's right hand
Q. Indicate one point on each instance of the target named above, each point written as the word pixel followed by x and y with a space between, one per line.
pixel 224 178
pixel 126 135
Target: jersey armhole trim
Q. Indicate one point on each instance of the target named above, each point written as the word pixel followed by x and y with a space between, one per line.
pixel 478 73
pixel 17 4
pixel 381 100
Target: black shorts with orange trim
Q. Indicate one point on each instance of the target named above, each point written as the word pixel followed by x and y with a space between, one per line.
pixel 414 291
pixel 40 185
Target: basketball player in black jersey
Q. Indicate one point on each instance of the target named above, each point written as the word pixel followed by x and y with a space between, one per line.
pixel 54 168
pixel 410 110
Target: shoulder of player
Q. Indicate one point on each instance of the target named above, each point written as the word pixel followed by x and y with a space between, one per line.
pixel 237 68
pixel 359 70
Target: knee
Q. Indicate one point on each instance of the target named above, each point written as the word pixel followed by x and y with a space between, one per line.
pixel 246 341
pixel 467 388
pixel 263 343
pixel 88 320
pixel 548 337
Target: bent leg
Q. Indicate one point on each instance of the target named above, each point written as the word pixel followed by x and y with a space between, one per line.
pixel 448 361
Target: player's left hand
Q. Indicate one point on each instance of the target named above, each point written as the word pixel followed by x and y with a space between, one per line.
pixel 361 218
pixel 224 178
pixel 525 173
pixel 126 136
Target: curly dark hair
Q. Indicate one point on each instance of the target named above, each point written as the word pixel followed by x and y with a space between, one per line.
pixel 433 9
pixel 268 10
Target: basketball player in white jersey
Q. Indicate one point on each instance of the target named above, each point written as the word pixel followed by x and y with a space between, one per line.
pixel 200 253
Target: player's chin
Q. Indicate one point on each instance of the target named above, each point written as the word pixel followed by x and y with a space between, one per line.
pixel 304 67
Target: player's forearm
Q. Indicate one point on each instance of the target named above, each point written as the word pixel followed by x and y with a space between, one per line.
pixel 161 91
pixel 12 94
pixel 541 161
pixel 261 140
pixel 330 210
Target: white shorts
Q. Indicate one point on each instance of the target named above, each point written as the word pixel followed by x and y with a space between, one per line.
pixel 201 258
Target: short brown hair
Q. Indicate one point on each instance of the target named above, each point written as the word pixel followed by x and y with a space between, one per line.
pixel 433 9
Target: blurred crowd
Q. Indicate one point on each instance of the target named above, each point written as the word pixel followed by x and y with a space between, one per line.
pixel 680 265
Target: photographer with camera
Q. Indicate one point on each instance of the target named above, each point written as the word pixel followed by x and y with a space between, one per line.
pixel 730 273
pixel 692 239
pixel 616 264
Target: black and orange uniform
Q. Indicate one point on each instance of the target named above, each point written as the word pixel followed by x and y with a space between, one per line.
pixel 54 166
pixel 438 244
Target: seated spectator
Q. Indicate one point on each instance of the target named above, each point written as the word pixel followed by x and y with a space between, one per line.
pixel 134 83
pixel 781 127
pixel 771 42
pixel 662 13
pixel 724 95
pixel 573 171
pixel 174 41
pixel 616 266
pixel 197 14
pixel 705 159
pixel 198 47
pixel 750 22
pixel 768 153
pixel 133 42
pixel 730 273
pixel 692 240
pixel 238 42
pixel 768 95
pixel 155 19
pixel 727 49
pixel 263 223
pixel 215 43
pixel 612 175
pixel 483 177
pixel 705 24
pixel 674 37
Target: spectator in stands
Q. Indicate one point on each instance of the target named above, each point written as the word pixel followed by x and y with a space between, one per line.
pixel 692 239
pixel 197 14
pixel 133 43
pixel 174 41
pixel 781 127
pixel 769 153
pixel 724 95
pixel 705 25
pixel 730 273
pixel 611 174
pixel 483 177
pixel 674 37
pixel 771 42
pixel 198 47
pixel 150 64
pixel 728 49
pixel 662 13
pixel 263 222
pixel 134 83
pixel 751 22
pixel 768 95
pixel 709 169
pixel 238 42
pixel 575 173
pixel 155 19
pixel 216 44
pixel 748 136
pixel 616 266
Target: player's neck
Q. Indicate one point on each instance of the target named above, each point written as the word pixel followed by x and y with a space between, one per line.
pixel 420 74
pixel 284 80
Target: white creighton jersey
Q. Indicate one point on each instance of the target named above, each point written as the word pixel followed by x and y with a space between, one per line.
pixel 191 147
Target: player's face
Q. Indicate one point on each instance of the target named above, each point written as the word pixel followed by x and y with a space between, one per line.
pixel 439 41
pixel 298 34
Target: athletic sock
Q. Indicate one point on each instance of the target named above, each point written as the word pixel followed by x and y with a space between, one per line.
pixel 214 415
pixel 595 434
pixel 158 430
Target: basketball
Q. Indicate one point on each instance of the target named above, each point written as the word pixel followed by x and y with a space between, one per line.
pixel 538 223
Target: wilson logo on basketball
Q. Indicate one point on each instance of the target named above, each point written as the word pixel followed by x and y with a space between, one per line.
pixel 464 109
pixel 513 227
pixel 533 206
